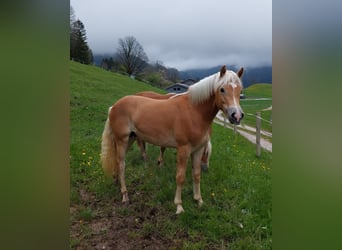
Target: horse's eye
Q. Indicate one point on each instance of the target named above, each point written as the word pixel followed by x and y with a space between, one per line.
pixel 222 90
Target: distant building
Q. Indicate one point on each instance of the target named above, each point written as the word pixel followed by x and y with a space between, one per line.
pixel 177 88
pixel 180 87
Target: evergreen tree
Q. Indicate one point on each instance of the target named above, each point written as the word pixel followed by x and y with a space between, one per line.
pixel 79 49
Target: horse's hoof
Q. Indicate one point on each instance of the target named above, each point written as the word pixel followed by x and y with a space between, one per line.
pixel 179 209
pixel 125 199
pixel 200 203
pixel 204 167
pixel 125 203
pixel 115 180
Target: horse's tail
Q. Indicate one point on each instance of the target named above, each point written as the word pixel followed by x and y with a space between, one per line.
pixel 108 151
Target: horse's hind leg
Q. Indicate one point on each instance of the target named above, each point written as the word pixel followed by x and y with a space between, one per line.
pixel 206 156
pixel 121 148
pixel 161 156
pixel 142 146
pixel 132 137
pixel 204 160
pixel 196 174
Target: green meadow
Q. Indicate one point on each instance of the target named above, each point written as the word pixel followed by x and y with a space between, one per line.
pixel 236 190
pixel 258 98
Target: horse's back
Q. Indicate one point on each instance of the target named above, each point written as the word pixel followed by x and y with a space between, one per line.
pixel 135 109
pixel 155 95
pixel 136 103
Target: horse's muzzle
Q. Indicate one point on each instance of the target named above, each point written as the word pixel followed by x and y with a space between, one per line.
pixel 235 115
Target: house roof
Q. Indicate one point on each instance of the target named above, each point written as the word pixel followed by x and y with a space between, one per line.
pixel 178 85
pixel 188 81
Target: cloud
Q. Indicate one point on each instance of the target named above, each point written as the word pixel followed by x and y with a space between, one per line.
pixel 183 34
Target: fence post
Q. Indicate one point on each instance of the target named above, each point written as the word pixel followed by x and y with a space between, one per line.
pixel 258 125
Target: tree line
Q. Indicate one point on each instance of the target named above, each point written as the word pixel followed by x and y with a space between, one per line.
pixel 130 57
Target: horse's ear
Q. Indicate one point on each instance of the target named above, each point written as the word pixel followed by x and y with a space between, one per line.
pixel 223 70
pixel 240 72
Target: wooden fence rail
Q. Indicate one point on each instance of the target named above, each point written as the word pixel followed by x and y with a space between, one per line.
pixel 257 130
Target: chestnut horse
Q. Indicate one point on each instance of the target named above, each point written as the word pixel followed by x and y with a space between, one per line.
pixel 142 145
pixel 181 122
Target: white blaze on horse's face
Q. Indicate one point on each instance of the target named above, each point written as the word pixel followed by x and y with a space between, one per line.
pixel 229 95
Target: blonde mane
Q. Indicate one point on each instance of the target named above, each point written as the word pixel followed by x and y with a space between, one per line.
pixel 205 88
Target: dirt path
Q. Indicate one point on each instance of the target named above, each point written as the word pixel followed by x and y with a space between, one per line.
pixel 269 108
pixel 243 130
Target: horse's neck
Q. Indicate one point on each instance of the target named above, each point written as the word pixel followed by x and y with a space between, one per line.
pixel 207 109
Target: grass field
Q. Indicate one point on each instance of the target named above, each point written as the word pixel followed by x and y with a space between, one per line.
pixel 260 90
pixel 258 98
pixel 236 190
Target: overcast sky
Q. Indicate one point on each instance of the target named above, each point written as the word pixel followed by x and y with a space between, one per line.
pixel 183 34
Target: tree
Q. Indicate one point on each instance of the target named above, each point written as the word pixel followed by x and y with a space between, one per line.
pixel 72 33
pixel 172 74
pixel 109 64
pixel 72 16
pixel 79 49
pixel 131 55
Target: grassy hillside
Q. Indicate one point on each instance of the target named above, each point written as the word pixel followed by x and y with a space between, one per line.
pixel 260 90
pixel 236 190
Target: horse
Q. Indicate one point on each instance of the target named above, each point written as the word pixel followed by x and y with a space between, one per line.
pixel 181 122
pixel 142 145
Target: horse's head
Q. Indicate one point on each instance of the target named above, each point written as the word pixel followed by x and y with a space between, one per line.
pixel 227 95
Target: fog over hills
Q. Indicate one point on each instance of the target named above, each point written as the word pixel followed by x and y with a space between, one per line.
pixel 250 76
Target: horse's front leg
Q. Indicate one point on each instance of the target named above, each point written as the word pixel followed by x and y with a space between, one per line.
pixel 182 160
pixel 196 174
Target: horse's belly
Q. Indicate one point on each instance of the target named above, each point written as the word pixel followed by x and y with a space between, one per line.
pixel 159 140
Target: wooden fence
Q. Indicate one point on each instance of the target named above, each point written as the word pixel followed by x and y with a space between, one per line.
pixel 257 131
